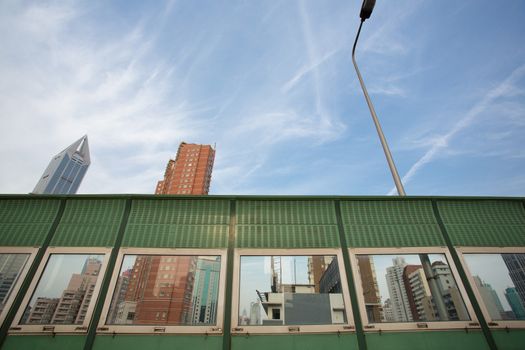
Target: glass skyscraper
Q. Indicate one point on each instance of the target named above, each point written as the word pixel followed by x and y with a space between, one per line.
pixel 66 170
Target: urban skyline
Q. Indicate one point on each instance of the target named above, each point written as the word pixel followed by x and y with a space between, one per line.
pixel 279 97
pixel 66 304
pixel 397 288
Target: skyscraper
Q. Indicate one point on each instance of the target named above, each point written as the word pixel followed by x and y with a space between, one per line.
pixel 516 265
pixel 398 293
pixel 190 172
pixel 66 170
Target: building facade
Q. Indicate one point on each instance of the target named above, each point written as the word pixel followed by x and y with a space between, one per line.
pixel 190 172
pixel 66 170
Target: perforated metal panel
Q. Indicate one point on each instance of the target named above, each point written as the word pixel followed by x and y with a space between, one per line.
pixel 286 224
pixel 26 222
pixel 178 223
pixel 176 236
pixel 180 211
pixel 268 212
pixel 89 223
pixel 287 236
pixel 390 224
pixel 484 222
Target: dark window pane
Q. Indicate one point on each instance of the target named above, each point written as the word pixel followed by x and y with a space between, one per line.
pixel 166 290
pixel 65 290
pixel 11 266
pixel 290 290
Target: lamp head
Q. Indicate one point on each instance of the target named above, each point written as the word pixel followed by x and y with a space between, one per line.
pixel 366 9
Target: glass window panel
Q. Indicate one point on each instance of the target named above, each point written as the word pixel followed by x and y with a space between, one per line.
pixel 65 290
pixel 500 280
pixel 171 290
pixel 11 266
pixel 410 288
pixel 290 290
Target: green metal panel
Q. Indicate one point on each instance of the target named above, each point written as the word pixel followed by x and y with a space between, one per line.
pixel 287 212
pixel 513 339
pixel 427 340
pixel 44 342
pixel 393 236
pixel 176 236
pixel 484 223
pixel 287 236
pixel 295 342
pixel 89 223
pixel 390 223
pixel 180 212
pixel 26 222
pixel 157 342
pixel 178 223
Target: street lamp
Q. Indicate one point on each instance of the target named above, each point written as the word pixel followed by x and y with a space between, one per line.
pixel 366 11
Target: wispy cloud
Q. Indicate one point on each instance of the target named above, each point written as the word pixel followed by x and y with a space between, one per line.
pixel 110 88
pixel 304 70
pixel 504 88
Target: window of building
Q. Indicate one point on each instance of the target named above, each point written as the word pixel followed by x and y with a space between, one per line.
pixel 497 276
pixel 281 291
pixel 410 288
pixel 188 300
pixel 14 264
pixel 60 299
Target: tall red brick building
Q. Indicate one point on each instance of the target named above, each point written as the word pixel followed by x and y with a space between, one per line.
pixel 190 172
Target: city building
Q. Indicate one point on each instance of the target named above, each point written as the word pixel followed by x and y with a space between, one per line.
pixel 418 293
pixel 490 299
pixel 10 267
pixel 159 291
pixel 449 292
pixel 71 307
pixel 205 291
pixel 515 303
pixel 516 265
pixel 190 172
pixel 370 287
pixel 66 170
pixel 400 303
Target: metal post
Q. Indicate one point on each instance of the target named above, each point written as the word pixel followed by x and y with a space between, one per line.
pixel 390 160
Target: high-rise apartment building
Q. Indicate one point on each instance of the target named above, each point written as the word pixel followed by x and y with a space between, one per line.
pixel 66 170
pixel 516 265
pixel 370 287
pixel 398 293
pixel 190 172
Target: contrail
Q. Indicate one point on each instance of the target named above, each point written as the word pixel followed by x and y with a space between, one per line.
pixel 442 143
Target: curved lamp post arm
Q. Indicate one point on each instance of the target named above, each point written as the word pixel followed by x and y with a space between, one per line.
pixel 390 160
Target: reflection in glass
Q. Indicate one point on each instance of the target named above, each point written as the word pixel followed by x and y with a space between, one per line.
pixel 410 288
pixel 166 290
pixel 65 290
pixel 11 266
pixel 500 279
pixel 290 290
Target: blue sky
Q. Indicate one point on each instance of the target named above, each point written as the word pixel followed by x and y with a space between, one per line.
pixel 271 83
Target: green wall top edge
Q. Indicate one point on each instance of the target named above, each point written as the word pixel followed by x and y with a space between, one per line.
pixel 255 197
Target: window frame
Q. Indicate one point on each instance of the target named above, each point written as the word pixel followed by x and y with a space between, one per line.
pixel 349 326
pixel 17 327
pixel 32 251
pixel 104 328
pixel 406 326
pixel 489 250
